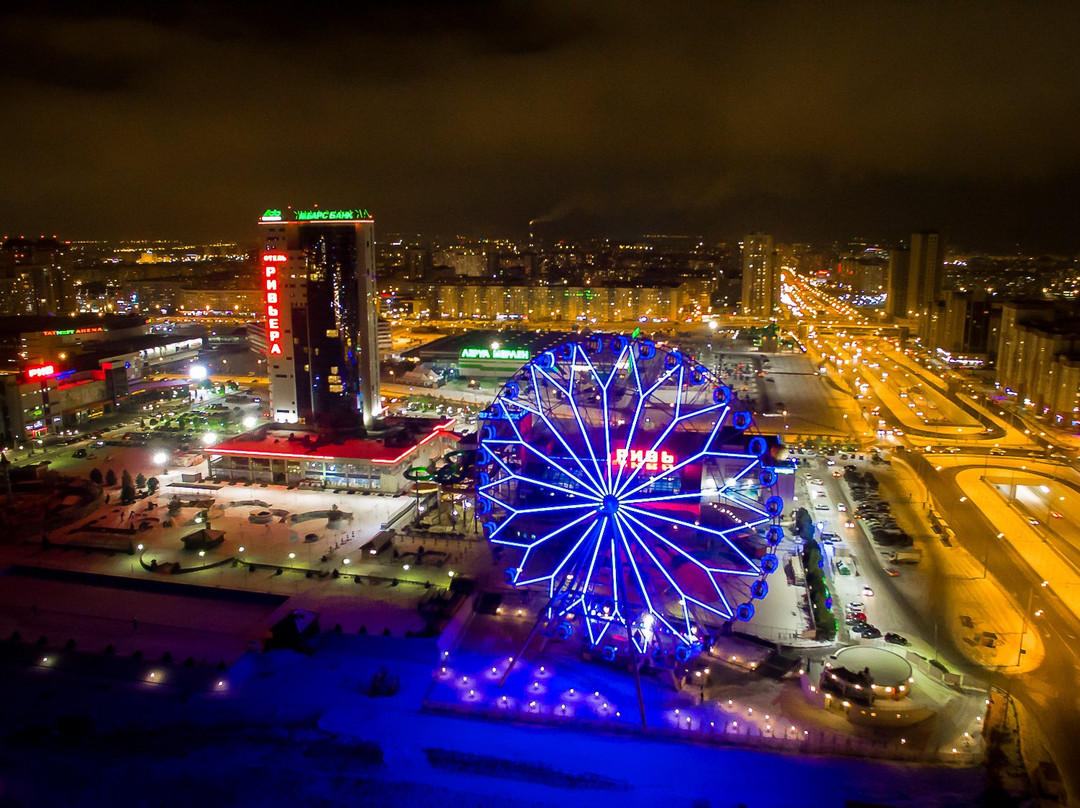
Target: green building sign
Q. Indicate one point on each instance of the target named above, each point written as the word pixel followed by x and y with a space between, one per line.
pixel 330 215
pixel 508 354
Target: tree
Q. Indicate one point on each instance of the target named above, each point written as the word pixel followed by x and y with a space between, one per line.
pixel 152 485
pixel 140 480
pixel 127 488
pixel 110 478
pixel 96 476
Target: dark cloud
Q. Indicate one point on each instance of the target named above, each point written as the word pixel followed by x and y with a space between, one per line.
pixel 814 121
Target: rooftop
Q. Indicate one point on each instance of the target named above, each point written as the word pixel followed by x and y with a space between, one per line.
pixel 450 347
pixel 401 437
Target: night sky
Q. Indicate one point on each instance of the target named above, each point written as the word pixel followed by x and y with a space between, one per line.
pixel 810 121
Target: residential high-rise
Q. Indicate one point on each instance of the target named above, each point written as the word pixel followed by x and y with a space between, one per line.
pixel 318 274
pixel 35 277
pixel 896 303
pixel 760 277
pixel 927 269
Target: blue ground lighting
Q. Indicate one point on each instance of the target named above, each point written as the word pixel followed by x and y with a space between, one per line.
pixel 626 481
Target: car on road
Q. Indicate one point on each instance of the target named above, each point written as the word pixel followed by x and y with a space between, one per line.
pixel 849 525
pixel 1055 514
pixel 1058 456
pixel 891 572
pixel 896 639
pixel 830 462
pixel 867 592
pixel 997 451
pixel 1033 521
pixel 79 453
pixel 821 507
pixel 841 507
pixel 817 481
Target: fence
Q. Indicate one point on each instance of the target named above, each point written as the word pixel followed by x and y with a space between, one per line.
pixel 810 742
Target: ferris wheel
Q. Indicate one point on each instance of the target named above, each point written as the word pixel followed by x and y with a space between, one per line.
pixel 626 482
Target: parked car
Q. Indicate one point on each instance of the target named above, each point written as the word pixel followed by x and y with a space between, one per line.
pixel 79 453
pixel 870 633
pixel 856 605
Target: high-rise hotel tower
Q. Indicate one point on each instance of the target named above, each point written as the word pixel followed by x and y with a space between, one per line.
pixel 318 274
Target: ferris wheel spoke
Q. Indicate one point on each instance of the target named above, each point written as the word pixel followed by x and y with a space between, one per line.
pixel 557 531
pixel 642 397
pixel 513 475
pixel 620 529
pixel 708 570
pixel 596 482
pixel 623 492
pixel 742 502
pixel 592 563
pixel 566 557
pixel 581 424
pixel 545 458
pixel 724 535
pixel 662 569
pixel 683 594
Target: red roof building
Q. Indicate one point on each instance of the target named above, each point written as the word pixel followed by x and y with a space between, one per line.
pixel 291 456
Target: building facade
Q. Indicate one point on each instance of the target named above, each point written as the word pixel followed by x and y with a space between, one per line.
pixel 318 277
pixel 760 277
pixel 1039 364
pixel 36 277
pixel 276 455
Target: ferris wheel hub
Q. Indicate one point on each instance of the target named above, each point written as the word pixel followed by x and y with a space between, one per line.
pixel 609 506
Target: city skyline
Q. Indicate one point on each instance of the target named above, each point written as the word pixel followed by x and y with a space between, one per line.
pixel 599 121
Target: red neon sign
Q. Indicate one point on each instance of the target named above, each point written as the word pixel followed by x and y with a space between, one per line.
pixel 40 372
pixel 273 302
pixel 647 459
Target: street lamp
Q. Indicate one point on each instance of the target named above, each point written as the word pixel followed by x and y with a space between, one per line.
pixel 1023 626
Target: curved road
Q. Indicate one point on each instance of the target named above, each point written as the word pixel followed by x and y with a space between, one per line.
pixel 1052 691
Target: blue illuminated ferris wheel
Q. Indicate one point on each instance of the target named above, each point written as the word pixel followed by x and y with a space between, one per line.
pixel 625 481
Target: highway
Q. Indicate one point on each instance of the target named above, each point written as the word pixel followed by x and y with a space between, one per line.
pixel 1052 691
pixel 994 481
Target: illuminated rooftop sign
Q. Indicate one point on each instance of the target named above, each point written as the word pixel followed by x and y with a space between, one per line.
pixel 330 215
pixel 40 372
pixel 515 354
pixel 316 215
pixel 66 331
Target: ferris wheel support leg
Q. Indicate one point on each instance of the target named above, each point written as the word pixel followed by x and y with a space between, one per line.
pixel 636 664
pixel 525 645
